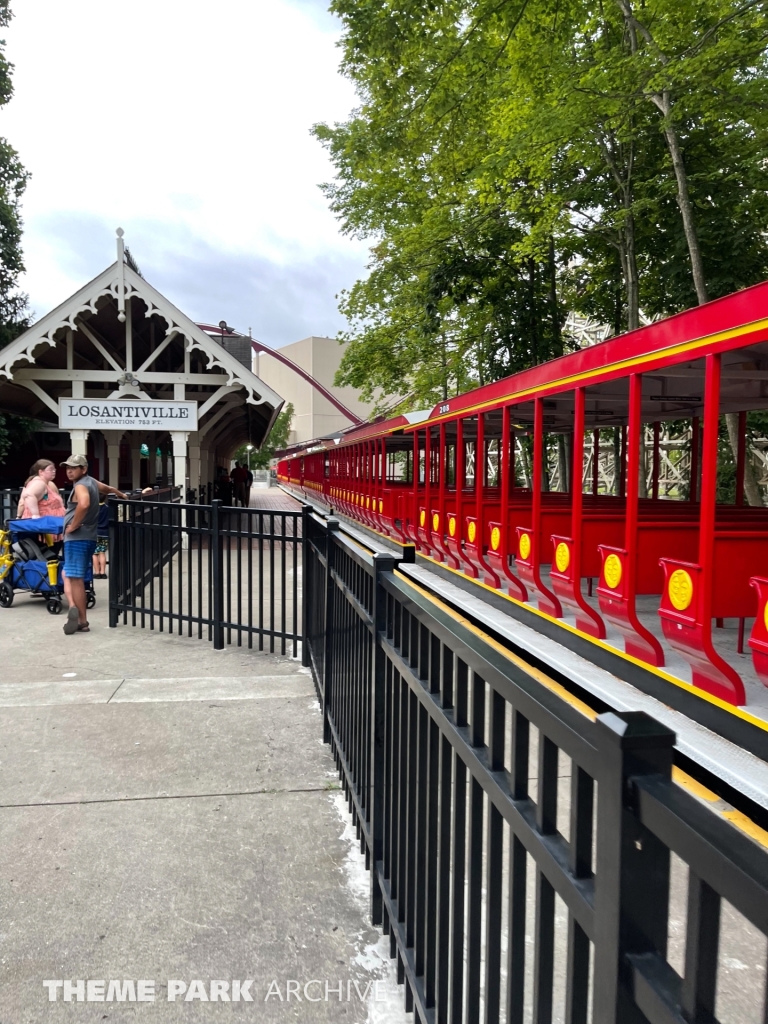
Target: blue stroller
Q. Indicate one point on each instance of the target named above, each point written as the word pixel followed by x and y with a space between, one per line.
pixel 30 561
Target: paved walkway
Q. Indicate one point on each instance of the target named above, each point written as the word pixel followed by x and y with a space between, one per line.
pixel 169 813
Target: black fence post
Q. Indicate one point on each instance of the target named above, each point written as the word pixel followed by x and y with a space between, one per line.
pixel 305 572
pixel 115 564
pixel 381 563
pixel 632 869
pixel 217 576
pixel 331 529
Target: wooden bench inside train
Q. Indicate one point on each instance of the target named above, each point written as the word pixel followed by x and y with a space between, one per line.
pixel 622 488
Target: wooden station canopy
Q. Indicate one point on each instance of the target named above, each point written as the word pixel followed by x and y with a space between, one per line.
pixel 119 358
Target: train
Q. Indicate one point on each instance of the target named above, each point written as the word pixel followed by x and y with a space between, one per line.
pixel 486 484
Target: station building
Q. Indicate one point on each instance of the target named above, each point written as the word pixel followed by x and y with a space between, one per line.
pixel 121 375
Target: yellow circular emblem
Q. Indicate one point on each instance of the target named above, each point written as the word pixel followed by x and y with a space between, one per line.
pixel 452 529
pixel 525 545
pixel 422 517
pixel 612 571
pixel 562 557
pixel 471 532
pixel 495 538
pixel 435 521
pixel 680 589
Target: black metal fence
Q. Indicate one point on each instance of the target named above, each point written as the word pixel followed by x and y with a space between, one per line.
pixel 519 845
pixel 228 575
pixel 9 501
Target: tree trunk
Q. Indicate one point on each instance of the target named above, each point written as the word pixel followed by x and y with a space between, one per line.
pixel 535 353
pixel 643 481
pixel 556 335
pixel 564 450
pixel 632 279
pixel 445 367
pixel 684 202
pixel 525 464
pixel 751 489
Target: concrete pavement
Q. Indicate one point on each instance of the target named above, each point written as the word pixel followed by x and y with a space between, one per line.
pixel 169 813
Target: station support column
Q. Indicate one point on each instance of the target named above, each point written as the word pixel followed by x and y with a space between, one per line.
pixel 195 463
pixel 113 438
pixel 179 439
pixel 79 441
pixel 136 463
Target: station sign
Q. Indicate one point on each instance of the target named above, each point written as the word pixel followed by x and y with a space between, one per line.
pixel 126 414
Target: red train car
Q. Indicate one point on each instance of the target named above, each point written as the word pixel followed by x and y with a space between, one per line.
pixel 469 483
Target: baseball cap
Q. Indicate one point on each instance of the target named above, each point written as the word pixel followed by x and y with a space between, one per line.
pixel 75 461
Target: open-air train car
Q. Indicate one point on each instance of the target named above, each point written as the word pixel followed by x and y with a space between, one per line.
pixel 537 537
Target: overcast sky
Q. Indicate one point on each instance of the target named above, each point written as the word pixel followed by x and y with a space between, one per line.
pixel 187 124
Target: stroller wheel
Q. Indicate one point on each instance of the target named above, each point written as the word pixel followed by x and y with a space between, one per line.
pixel 6 595
pixel 53 606
pixel 90 599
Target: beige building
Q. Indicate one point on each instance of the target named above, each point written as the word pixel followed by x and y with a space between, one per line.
pixel 314 415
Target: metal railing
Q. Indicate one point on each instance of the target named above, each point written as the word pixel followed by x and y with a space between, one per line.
pixel 9 501
pixel 485 795
pixel 228 575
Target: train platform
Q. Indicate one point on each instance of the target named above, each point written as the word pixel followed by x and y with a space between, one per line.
pixel 170 813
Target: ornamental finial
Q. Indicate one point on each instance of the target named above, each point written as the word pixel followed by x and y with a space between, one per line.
pixel 121 276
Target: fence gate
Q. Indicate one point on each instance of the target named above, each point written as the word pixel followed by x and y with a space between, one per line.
pixel 229 575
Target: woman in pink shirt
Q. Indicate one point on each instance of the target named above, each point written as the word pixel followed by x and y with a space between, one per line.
pixel 40 496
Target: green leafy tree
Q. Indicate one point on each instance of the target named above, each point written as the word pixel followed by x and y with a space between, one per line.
pixel 276 440
pixel 512 161
pixel 14 313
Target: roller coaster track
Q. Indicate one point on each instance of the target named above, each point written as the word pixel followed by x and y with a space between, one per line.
pixel 259 346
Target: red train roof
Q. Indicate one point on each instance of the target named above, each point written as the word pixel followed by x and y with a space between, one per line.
pixel 683 336
pixel 364 432
pixel 747 309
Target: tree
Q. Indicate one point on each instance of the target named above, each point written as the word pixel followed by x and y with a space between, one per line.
pixel 14 317
pixel 14 313
pixel 606 157
pixel 684 62
pixel 274 442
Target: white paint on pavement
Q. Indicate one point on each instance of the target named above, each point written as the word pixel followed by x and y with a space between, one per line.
pixel 372 957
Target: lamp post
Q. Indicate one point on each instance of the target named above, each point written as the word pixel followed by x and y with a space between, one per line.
pixel 249 449
pixel 225 329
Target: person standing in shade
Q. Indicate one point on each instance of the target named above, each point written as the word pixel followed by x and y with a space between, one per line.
pixel 102 543
pixel 238 477
pixel 80 535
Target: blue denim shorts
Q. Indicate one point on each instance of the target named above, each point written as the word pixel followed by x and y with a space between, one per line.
pixel 77 558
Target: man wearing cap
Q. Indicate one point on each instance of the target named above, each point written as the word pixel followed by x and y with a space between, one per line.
pixel 80 533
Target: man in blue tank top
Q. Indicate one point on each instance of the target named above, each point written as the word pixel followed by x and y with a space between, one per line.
pixel 81 521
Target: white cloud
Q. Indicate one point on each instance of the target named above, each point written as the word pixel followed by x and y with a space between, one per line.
pixel 187 123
